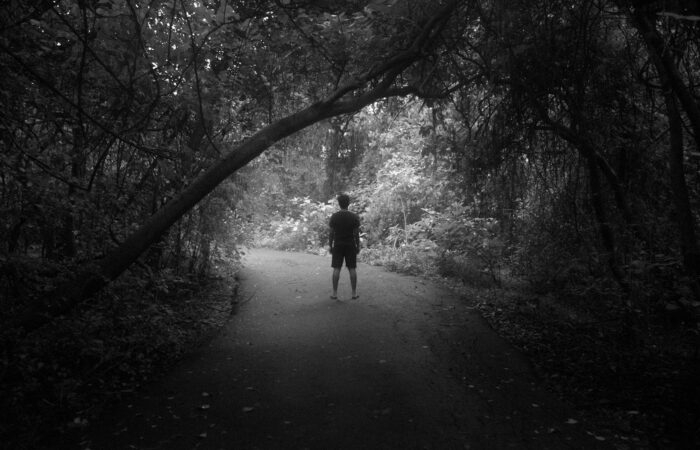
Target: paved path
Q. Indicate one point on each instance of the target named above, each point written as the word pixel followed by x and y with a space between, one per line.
pixel 406 366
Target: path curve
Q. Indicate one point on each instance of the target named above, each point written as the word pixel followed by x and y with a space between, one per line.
pixel 406 366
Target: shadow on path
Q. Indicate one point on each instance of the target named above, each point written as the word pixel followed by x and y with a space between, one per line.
pixel 407 366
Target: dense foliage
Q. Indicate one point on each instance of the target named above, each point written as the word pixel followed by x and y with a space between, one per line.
pixel 555 161
pixel 547 144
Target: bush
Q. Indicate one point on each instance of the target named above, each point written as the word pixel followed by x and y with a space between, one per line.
pixel 305 230
pixel 552 253
pixel 461 267
pixel 55 380
pixel 465 247
pixel 407 259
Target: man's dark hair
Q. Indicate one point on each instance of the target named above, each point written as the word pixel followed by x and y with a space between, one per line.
pixel 343 201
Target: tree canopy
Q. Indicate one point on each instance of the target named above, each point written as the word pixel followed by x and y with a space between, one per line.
pixel 123 119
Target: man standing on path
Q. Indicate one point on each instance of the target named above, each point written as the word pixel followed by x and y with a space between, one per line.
pixel 344 239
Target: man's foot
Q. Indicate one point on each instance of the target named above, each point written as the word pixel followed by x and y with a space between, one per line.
pixel 334 297
pixel 356 296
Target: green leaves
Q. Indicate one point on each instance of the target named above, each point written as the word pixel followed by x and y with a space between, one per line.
pixel 225 14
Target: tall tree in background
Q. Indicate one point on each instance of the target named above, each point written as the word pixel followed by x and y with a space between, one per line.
pixel 674 57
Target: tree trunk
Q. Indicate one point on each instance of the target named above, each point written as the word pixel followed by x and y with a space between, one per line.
pixel 204 230
pixel 606 231
pixel 77 170
pixel 681 200
pixel 677 91
pixel 48 240
pixel 616 186
pixel 14 234
pixel 596 164
pixel 205 252
pixel 66 235
pixel 666 67
pixel 405 225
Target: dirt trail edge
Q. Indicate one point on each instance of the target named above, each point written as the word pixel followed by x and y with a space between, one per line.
pixel 406 366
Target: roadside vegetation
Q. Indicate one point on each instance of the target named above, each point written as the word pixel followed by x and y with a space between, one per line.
pixel 67 374
pixel 542 155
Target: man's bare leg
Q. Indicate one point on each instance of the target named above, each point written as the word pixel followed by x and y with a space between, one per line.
pixel 353 281
pixel 336 277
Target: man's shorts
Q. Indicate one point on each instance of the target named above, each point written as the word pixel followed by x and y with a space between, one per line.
pixel 344 252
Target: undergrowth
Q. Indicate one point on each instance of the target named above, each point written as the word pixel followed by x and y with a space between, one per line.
pixel 632 365
pixel 54 381
pixel 420 259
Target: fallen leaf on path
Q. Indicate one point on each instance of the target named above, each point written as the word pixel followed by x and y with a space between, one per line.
pixel 572 421
pixel 204 407
pixel 248 409
pixel 205 394
pixel 203 435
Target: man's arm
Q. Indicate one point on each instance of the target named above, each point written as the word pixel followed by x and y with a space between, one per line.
pixel 356 239
pixel 331 237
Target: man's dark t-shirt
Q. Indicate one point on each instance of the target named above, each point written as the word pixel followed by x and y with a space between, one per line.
pixel 343 223
pixel 344 239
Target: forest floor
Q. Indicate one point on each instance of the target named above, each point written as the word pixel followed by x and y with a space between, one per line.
pixel 634 370
pixel 407 365
pixel 56 380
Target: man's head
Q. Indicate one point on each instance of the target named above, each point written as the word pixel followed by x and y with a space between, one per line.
pixel 343 201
